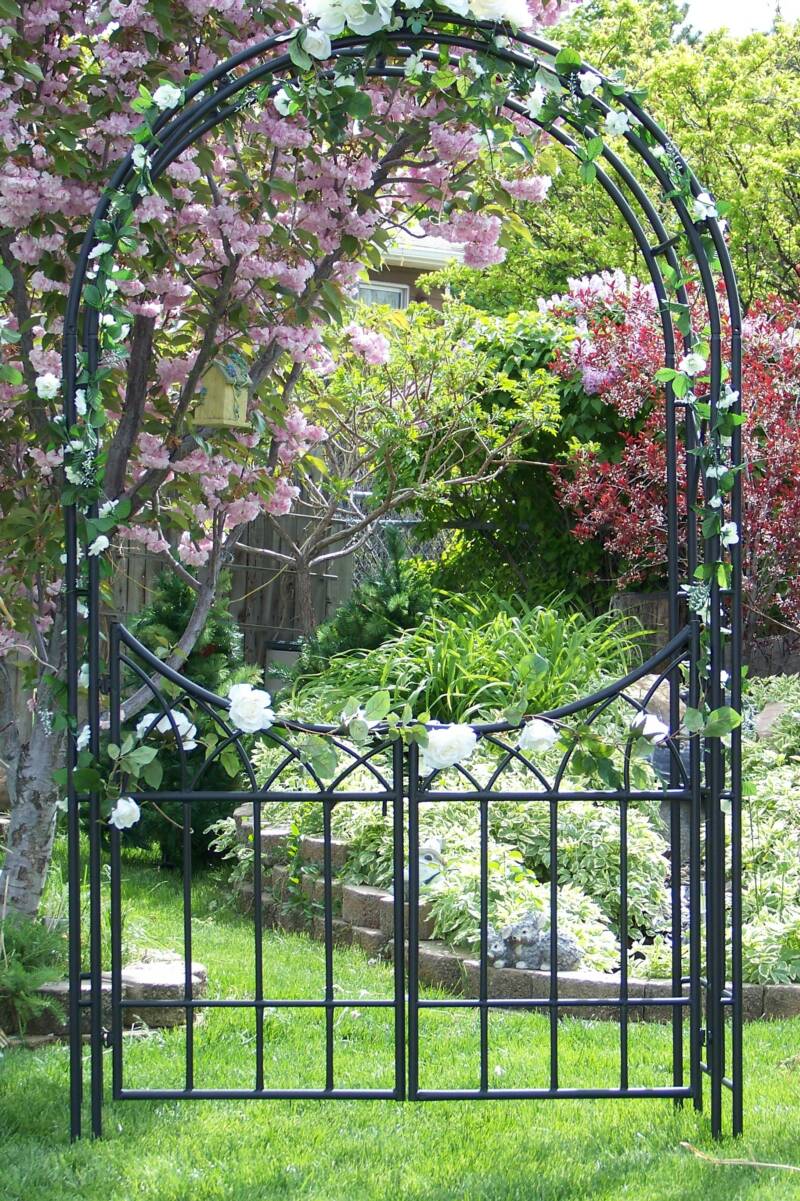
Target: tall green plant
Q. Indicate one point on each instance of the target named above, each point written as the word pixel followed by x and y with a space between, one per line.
pixel 469 659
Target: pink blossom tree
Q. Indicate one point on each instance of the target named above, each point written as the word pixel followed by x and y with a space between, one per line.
pixel 247 248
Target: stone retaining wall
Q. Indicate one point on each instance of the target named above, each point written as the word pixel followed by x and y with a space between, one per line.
pixel 159 977
pixel 364 917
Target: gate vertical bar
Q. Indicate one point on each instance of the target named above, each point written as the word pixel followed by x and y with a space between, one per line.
pixel 715 849
pixel 483 980
pixel 95 844
pixel 398 822
pixel 695 884
pixel 553 991
pixel 737 642
pixel 327 871
pixel 676 808
pixel 116 883
pixel 413 922
pixel 623 945
pixel 187 942
pixel 69 370
pixel 258 943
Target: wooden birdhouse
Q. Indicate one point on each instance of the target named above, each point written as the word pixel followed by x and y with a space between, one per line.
pixel 223 391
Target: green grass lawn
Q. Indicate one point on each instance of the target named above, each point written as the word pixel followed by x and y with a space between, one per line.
pixel 370 1150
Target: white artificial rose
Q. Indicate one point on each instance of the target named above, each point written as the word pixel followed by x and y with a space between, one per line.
pixel 729 534
pixel 140 157
pixel 648 726
pixel 187 730
pixel 48 386
pixel 250 709
pixel 317 43
pixel 704 207
pixel 327 13
pixel 447 745
pixel 82 741
pixel 364 22
pixel 537 735
pixel 80 402
pixel 100 544
pixel 535 102
pixel 589 82
pixel 145 724
pixel 167 96
pixel 516 12
pixel 282 101
pixel 692 364
pixel 617 123
pixel 125 813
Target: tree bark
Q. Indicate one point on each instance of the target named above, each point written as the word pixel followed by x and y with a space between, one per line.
pixel 33 815
pixel 304 594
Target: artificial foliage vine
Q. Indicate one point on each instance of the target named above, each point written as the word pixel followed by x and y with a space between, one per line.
pixel 332 95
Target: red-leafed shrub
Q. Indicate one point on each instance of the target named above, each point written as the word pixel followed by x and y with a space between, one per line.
pixel 618 491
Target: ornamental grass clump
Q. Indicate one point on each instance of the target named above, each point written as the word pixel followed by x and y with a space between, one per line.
pixel 469 659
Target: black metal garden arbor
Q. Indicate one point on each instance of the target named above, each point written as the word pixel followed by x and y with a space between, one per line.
pixel 706 1000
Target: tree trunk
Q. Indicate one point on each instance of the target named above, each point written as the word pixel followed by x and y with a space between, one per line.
pixel 304 596
pixel 33 816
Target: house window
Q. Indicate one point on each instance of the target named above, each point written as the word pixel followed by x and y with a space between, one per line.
pixel 395 295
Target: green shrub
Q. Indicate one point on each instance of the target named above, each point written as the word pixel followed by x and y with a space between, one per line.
pixel 589 855
pixel 216 662
pixel 469 659
pixel 771 947
pixel 397 598
pixel 32 953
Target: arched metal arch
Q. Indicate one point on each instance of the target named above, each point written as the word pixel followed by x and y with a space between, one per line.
pixel 220 94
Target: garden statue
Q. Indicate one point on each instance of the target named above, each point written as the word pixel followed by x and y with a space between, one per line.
pixel 526 944
pixel 430 863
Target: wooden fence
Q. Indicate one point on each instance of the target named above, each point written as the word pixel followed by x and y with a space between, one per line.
pixel 262 590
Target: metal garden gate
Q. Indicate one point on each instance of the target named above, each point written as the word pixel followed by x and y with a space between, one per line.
pixel 703 787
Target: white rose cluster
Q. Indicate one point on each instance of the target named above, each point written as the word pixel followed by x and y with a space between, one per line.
pixel 187 731
pixel 48 386
pixel 250 708
pixel 447 746
pixel 537 736
pixel 167 96
pixel 333 16
pixel 125 813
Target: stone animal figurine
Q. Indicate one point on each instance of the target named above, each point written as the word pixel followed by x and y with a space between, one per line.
pixel 526 945
pixel 430 863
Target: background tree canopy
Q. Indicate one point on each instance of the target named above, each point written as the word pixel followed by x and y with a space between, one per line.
pixel 732 106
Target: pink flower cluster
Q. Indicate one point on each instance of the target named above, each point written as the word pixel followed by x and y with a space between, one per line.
pixel 295 436
pixel 478 234
pixel 150 537
pixel 618 347
pixel 533 188
pixel 283 497
pixel 194 554
pixel 372 346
